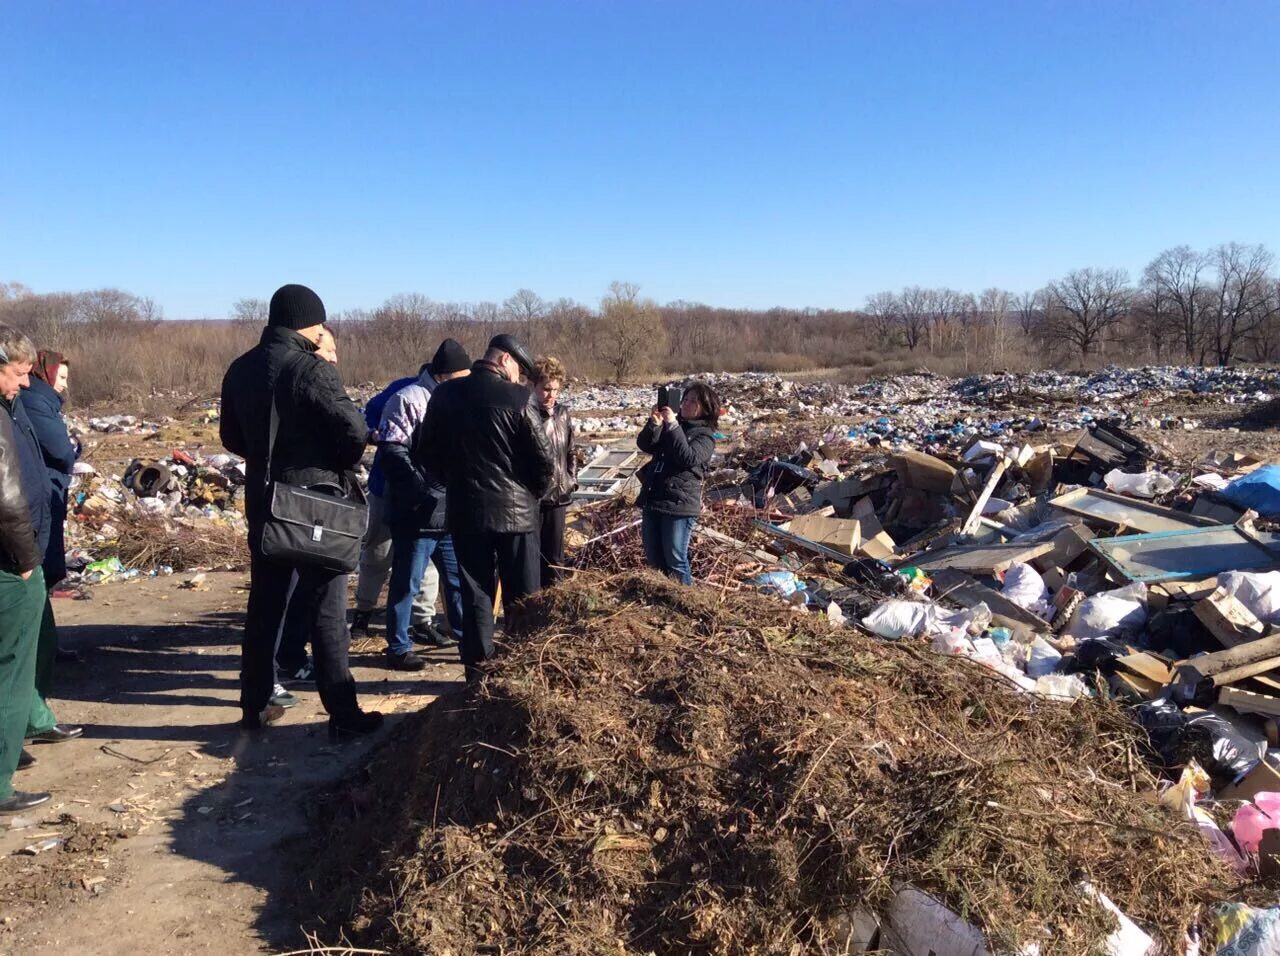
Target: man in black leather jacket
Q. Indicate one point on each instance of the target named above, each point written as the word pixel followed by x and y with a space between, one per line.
pixel 321 437
pixel 22 593
pixel 484 436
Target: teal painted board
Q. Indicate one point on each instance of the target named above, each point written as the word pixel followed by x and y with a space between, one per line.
pixel 1195 553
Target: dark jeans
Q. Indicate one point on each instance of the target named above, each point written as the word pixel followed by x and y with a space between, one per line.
pixel 321 597
pixel 551 541
pixel 666 543
pixel 409 557
pixel 484 558
pixel 291 646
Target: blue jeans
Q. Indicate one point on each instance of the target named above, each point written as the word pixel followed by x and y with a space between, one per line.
pixel 666 543
pixel 409 557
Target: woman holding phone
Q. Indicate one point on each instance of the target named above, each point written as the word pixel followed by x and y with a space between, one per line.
pixel 671 497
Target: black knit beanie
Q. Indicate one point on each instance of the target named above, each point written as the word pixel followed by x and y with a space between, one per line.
pixel 295 307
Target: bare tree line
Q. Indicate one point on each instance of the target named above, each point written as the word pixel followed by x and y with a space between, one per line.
pixel 1206 307
pixel 1217 306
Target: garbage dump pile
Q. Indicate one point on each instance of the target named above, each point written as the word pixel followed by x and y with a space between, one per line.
pixel 651 768
pixel 922 407
pixel 179 510
pixel 1097 569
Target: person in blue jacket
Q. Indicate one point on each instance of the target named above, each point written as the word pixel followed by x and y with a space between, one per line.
pixel 43 399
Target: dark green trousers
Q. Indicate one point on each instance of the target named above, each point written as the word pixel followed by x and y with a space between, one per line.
pixel 41 717
pixel 21 607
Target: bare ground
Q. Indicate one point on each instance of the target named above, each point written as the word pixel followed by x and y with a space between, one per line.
pixel 175 824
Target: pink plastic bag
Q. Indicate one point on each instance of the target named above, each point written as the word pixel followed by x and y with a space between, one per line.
pixel 1254 818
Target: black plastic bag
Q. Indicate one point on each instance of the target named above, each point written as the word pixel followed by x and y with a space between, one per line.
pixel 1178 737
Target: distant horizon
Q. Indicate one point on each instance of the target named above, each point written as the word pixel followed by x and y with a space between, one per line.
pixel 744 155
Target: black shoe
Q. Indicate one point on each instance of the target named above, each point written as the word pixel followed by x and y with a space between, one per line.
pixel 408 661
pixel 20 801
pixel 264 718
pixel 67 656
pixel 354 724
pixel 431 636
pixel 25 759
pixel 360 621
pixel 57 734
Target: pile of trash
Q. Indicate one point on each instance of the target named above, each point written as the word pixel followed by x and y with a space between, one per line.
pixel 651 768
pixel 180 512
pixel 1097 570
pixel 922 409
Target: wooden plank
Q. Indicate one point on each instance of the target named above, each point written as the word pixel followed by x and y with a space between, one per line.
pixel 1113 510
pixel 982 558
pixel 993 481
pixel 795 540
pixel 1221 662
pixel 1249 703
pixel 1147 666
pixel 1228 620
pixel 1137 687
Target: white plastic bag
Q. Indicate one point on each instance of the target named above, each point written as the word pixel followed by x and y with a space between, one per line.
pixel 1146 485
pixel 1025 588
pixel 1042 659
pixel 1124 609
pixel 1259 591
pixel 895 619
pixel 1067 686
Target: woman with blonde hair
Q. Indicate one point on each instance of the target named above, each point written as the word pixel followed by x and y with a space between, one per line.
pixel 548 380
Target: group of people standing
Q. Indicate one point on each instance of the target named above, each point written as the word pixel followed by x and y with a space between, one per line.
pixel 471 481
pixel 474 460
pixel 37 455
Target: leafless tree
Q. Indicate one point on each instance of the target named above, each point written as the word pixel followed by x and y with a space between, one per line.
pixel 885 313
pixel 1243 297
pixel 1029 310
pixel 1178 279
pixel 941 308
pixel 525 306
pixel 993 306
pixel 629 333
pixel 913 314
pixel 250 313
pixel 1085 304
pixel 115 307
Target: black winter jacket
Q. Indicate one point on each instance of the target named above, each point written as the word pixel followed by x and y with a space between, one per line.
pixel 322 433
pixel 483 435
pixel 564 479
pixel 672 481
pixel 19 552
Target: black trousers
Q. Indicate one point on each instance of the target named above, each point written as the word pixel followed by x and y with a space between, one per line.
pixel 551 541
pixel 484 558
pixel 295 632
pixel 319 598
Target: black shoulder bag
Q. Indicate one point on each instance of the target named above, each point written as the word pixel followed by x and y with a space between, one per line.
pixel 317 525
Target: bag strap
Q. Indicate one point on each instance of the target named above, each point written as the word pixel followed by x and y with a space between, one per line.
pixel 274 428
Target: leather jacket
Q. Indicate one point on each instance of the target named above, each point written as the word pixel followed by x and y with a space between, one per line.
pixel 483 435
pixel 564 480
pixel 19 552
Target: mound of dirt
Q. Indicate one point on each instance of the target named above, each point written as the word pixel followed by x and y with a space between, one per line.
pixel 656 769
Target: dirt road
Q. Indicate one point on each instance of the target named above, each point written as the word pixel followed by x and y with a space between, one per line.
pixel 172 820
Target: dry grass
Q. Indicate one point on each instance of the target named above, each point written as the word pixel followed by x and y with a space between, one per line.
pixel 660 769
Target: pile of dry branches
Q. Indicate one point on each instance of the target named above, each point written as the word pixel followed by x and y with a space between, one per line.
pixel 149 542
pixel 663 769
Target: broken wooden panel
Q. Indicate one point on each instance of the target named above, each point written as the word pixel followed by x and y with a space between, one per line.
pixel 982 558
pixel 1228 620
pixel 1247 702
pixel 959 588
pixel 1105 507
pixel 605 474
pixel 1191 553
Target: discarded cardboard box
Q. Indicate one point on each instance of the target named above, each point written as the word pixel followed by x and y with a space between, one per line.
pixel 1261 779
pixel 923 472
pixel 849 536
pixel 1228 620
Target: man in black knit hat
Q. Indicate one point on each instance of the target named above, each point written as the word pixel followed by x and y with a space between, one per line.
pixel 320 439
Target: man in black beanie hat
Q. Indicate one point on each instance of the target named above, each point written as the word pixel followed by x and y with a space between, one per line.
pixel 484 436
pixel 321 437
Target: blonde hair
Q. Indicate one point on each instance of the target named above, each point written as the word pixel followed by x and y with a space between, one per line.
pixel 547 368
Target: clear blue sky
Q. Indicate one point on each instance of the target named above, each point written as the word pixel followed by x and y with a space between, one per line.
pixel 738 153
